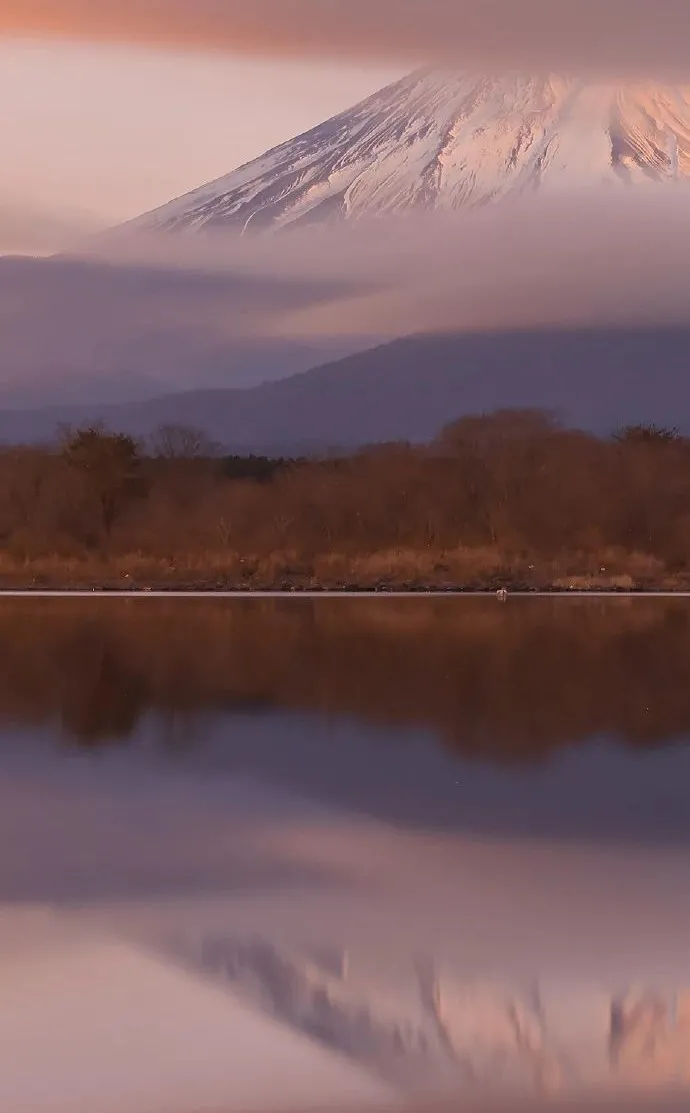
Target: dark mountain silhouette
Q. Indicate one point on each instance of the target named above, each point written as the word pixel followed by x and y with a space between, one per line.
pixel 596 379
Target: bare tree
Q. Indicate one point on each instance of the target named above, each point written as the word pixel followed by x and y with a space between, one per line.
pixel 653 435
pixel 109 463
pixel 183 442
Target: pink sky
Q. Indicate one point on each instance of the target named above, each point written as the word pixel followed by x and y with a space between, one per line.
pixel 103 132
pixel 151 98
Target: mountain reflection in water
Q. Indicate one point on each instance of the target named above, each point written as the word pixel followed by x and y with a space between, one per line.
pixel 418 847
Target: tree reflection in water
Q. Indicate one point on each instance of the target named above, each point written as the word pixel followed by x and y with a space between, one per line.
pixel 510 683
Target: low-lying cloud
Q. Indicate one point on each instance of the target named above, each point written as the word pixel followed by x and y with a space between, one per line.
pixel 630 37
pixel 28 230
pixel 196 310
pixel 149 324
pixel 597 256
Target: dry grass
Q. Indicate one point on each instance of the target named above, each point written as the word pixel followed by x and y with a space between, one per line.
pixel 459 568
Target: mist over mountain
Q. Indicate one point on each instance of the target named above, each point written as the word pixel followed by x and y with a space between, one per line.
pixel 541 204
pixel 85 329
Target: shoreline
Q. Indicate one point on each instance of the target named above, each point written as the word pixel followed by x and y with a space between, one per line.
pixel 502 595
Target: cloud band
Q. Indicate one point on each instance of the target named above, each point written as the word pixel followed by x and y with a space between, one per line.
pixel 627 37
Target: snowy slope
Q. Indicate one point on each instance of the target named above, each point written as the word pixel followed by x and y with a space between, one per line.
pixel 441 140
pixel 424 1030
pixel 119 1030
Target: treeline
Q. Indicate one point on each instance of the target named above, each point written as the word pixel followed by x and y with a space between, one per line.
pixel 509 498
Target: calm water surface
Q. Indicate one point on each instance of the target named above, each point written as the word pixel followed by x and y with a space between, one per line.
pixel 448 839
pixel 563 717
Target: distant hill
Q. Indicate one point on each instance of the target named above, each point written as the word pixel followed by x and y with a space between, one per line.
pixel 596 379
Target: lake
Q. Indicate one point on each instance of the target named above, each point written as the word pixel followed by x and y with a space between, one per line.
pixel 396 847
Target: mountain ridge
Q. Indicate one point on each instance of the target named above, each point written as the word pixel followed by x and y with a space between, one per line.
pixel 596 379
pixel 441 140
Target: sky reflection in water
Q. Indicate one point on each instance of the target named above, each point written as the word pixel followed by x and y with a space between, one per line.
pixel 464 822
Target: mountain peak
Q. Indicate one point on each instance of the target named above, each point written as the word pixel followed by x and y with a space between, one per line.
pixel 441 140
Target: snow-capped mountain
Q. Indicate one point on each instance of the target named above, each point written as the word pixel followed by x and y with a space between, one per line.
pixel 442 140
